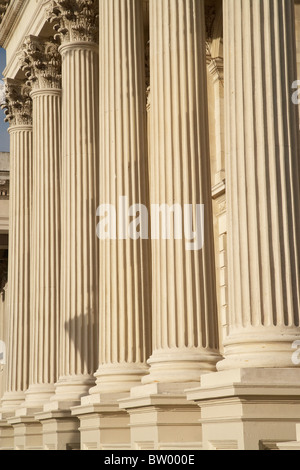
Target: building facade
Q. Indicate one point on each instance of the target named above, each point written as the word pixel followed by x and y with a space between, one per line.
pixel 153 286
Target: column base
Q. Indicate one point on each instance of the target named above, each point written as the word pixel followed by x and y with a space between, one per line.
pixel 118 378
pixel 7 411
pixel 27 433
pixel 70 389
pixel 35 398
pixel 186 365
pixel 103 425
pixel 6 435
pixel 248 409
pixel 60 430
pixel 11 401
pixel 161 418
pixel 260 347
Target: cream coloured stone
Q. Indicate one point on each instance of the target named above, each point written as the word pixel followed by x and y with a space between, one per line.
pixel 255 220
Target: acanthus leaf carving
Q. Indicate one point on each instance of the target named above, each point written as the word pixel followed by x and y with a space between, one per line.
pixel 18 103
pixel 41 62
pixel 74 20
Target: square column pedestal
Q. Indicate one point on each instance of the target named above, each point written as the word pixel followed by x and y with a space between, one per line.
pixel 103 425
pixel 6 433
pixel 60 428
pixel 161 418
pixel 27 433
pixel 248 409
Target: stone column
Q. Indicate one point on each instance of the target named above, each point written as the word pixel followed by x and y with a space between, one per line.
pixel 185 337
pixel 124 283
pixel 19 111
pixel 76 26
pixel 125 286
pixel 19 114
pixel 42 65
pixel 263 184
pixel 257 387
pixel 184 307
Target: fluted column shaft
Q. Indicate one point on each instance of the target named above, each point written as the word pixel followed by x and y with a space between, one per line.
pixel 78 342
pixel 185 338
pixel 45 244
pixel 263 178
pixel 19 264
pixel 125 288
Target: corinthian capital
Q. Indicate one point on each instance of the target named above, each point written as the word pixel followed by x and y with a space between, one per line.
pixel 74 20
pixel 41 62
pixel 18 104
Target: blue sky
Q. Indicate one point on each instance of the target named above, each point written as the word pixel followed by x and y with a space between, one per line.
pixel 4 137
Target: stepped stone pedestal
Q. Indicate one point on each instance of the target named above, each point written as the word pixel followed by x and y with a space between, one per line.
pixel 248 409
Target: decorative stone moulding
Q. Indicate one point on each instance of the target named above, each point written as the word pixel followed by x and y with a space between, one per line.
pixel 3 7
pixel 41 62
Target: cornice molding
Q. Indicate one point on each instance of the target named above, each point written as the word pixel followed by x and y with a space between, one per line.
pixel 9 18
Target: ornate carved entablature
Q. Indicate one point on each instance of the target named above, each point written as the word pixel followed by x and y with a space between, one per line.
pixel 3 7
pixel 74 20
pixel 41 62
pixel 18 105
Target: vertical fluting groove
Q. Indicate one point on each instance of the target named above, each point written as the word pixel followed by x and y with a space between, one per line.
pixel 262 153
pixel 184 297
pixel 125 286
